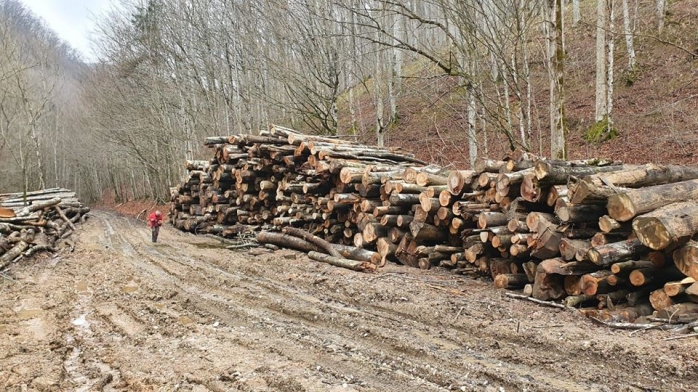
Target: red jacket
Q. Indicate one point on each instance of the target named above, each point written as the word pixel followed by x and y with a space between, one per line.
pixel 154 220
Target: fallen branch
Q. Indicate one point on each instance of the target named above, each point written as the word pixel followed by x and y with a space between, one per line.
pixel 317 241
pixel 286 241
pixel 241 246
pixel 360 266
pixel 631 326
pixel 681 337
pixel 38 248
pixel 540 302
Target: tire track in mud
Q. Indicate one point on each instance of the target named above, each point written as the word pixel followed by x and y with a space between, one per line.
pixel 323 327
pixel 419 364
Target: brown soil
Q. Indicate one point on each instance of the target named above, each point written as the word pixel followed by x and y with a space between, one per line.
pixel 122 313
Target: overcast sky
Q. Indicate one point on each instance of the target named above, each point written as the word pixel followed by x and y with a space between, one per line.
pixel 72 20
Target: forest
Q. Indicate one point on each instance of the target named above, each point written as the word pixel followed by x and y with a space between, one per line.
pixel 450 80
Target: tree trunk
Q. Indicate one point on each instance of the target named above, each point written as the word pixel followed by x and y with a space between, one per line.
pixel 629 38
pixel 601 76
pixel 661 11
pixel 556 55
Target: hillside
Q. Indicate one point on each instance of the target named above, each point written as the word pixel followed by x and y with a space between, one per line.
pixel 655 114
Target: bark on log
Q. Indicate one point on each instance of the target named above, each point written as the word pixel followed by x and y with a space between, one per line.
pixel 649 174
pixel 605 255
pixel 11 254
pixel 627 266
pixel 576 213
pixel 559 175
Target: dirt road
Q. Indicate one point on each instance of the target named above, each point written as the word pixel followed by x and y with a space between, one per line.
pixel 121 313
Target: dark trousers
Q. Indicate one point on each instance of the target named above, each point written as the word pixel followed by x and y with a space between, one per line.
pixel 155 230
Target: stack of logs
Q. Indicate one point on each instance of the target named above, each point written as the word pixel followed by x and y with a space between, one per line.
pixel 612 238
pixel 36 222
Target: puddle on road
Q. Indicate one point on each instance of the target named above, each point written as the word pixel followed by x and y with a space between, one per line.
pixel 211 246
pixel 130 287
pixel 184 320
pixel 26 314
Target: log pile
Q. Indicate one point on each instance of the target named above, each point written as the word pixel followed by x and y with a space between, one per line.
pixel 612 239
pixel 36 222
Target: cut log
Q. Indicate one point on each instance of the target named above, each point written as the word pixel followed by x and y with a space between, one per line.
pixel 576 213
pixel 498 266
pixel 559 267
pixel 490 219
pixel 608 224
pixel 559 174
pixel 675 288
pixel 644 276
pixel 627 266
pixel 667 226
pixel 548 242
pixel 660 300
pixel 458 181
pixel 548 286
pixel 510 281
pixel 646 175
pixel 386 249
pixel 608 254
pixel 686 259
pixel 569 248
pixel 572 285
pixel 623 207
pixel 595 283
pixel 610 300
pixel 488 165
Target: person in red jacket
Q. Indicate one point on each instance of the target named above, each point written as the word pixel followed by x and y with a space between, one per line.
pixel 155 221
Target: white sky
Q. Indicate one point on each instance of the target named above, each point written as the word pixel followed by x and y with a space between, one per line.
pixel 71 20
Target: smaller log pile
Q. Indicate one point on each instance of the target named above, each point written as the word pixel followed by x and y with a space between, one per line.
pixel 36 222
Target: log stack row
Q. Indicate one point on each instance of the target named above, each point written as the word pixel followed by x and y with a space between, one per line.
pixel 282 178
pixel 613 238
pixel 36 222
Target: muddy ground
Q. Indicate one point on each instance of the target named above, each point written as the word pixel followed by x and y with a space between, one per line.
pixel 121 313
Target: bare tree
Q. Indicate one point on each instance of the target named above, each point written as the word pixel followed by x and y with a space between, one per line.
pixel 629 38
pixel 556 56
